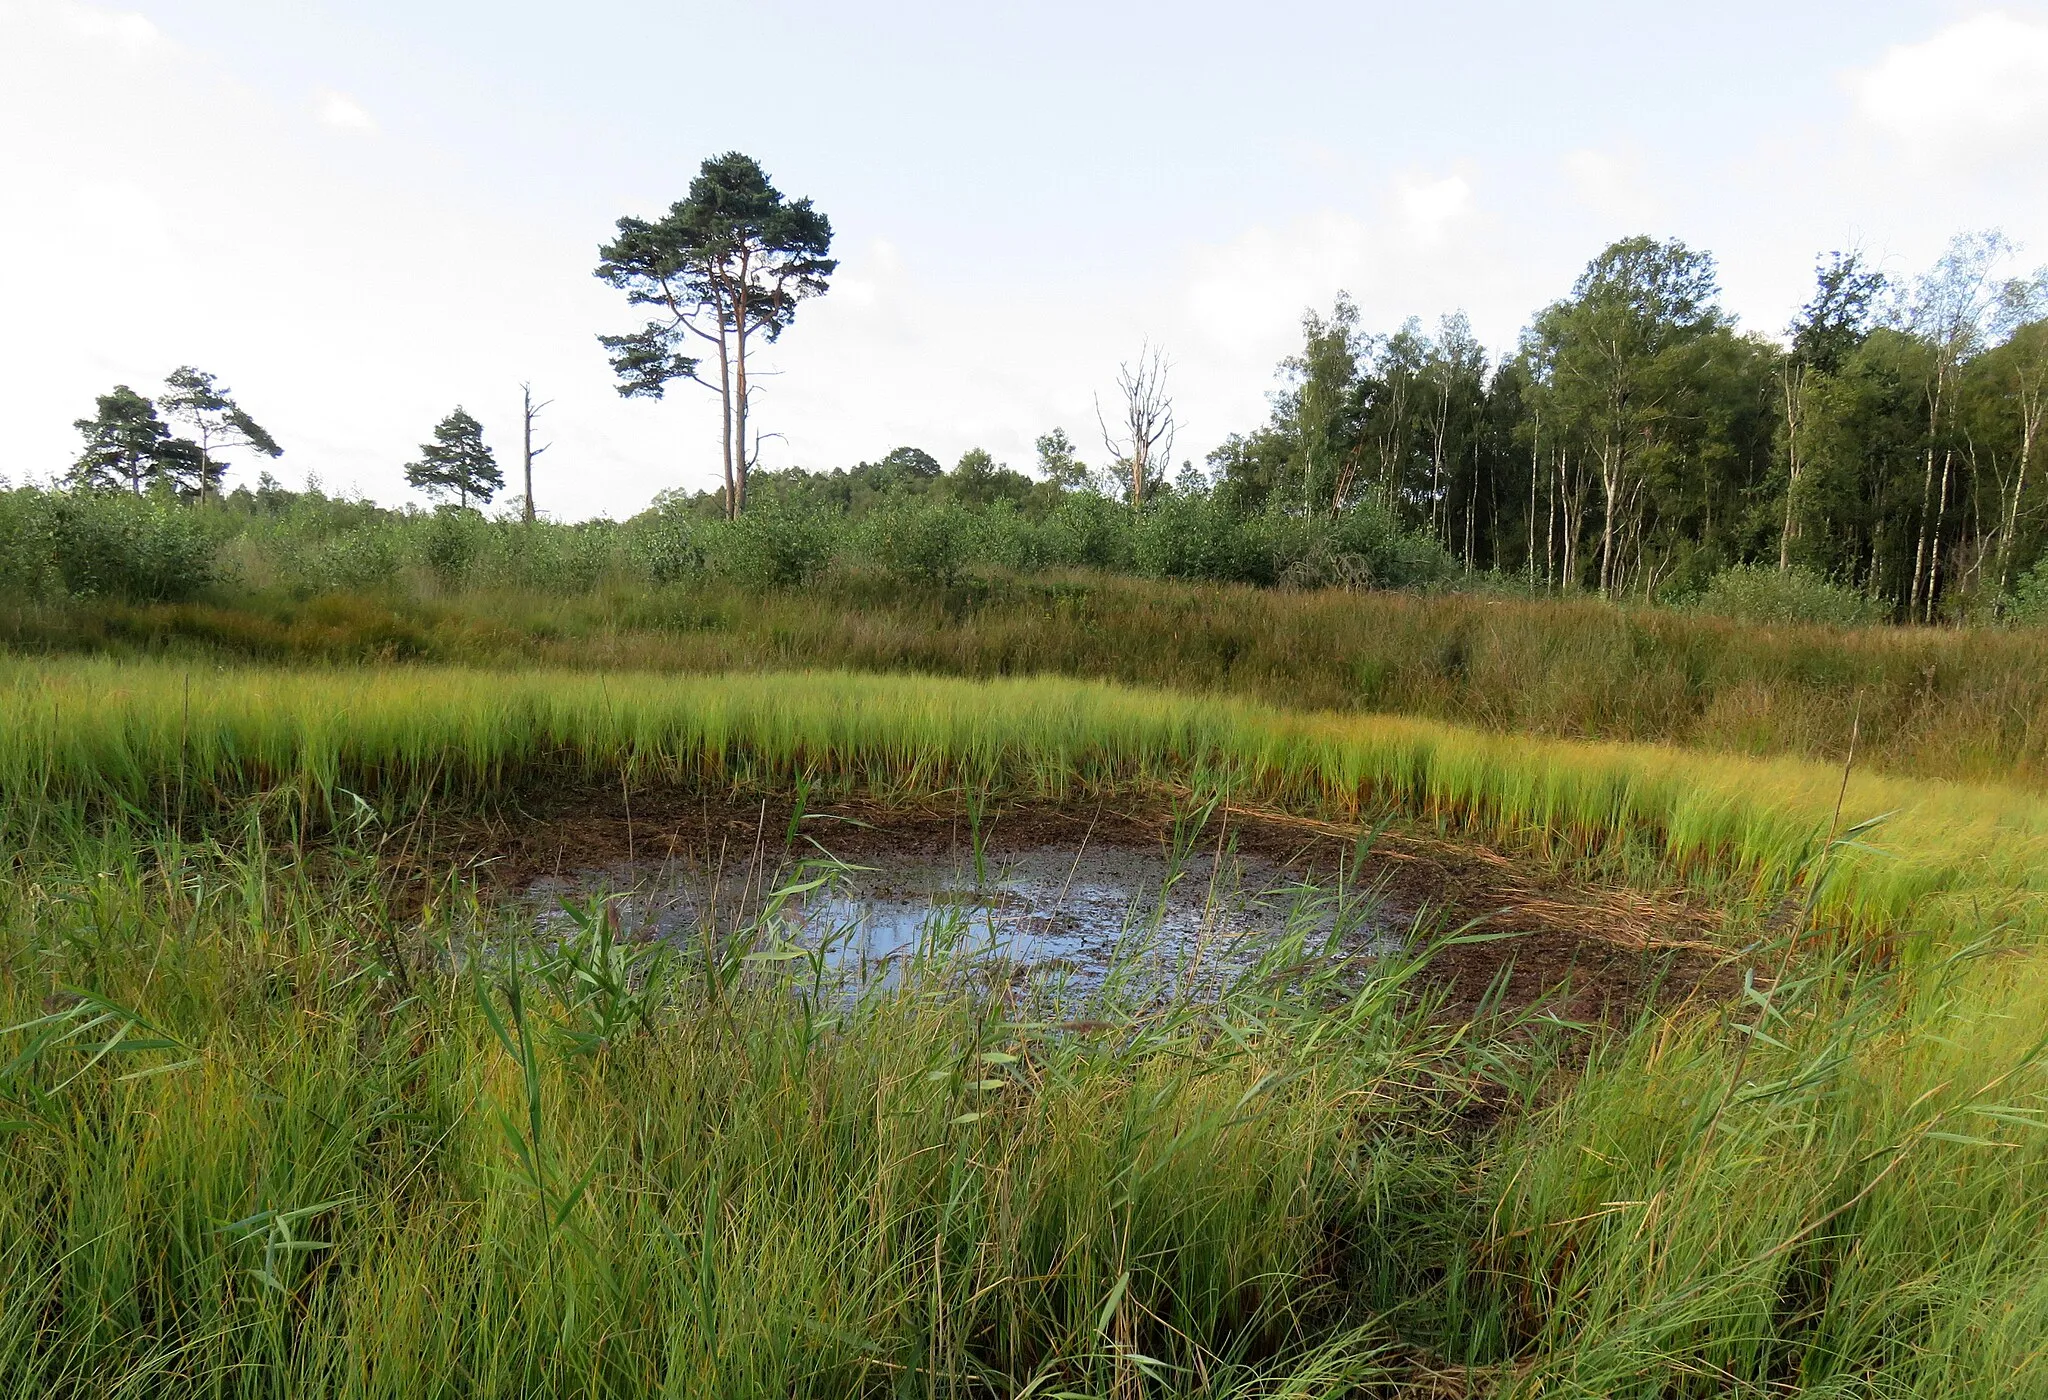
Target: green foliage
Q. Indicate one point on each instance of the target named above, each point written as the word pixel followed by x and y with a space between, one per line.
pixel 27 568
pixel 730 260
pixel 195 400
pixel 358 558
pixel 450 544
pixel 1199 537
pixel 1755 593
pixel 128 447
pixel 978 481
pixel 103 545
pixel 772 545
pixel 687 264
pixel 920 541
pixel 668 542
pixel 456 463
pixel 1059 461
pixel 1087 530
pixel 2030 598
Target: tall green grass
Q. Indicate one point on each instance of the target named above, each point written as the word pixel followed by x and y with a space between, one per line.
pixel 1855 1209
pixel 264 1155
pixel 164 736
pixel 270 1130
pixel 1969 703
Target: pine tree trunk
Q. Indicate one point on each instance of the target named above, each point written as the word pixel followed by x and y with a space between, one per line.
pixel 732 485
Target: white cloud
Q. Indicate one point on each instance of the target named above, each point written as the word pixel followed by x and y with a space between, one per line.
pixel 343 113
pixel 127 31
pixel 1429 207
pixel 1609 185
pixel 1976 90
pixel 1430 247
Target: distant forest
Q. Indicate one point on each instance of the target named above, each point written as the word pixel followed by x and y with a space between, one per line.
pixel 1637 438
pixel 1637 442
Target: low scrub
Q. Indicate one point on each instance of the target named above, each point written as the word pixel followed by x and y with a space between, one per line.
pixel 1756 593
pixel 113 545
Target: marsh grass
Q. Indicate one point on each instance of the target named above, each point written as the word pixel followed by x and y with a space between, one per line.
pixel 252 1162
pixel 98 736
pixel 1958 703
pixel 273 1129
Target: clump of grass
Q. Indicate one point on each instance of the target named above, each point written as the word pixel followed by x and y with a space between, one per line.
pixel 1855 1212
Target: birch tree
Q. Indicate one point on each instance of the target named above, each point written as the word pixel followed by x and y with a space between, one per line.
pixel 1617 345
pixel 1826 332
pixel 1948 310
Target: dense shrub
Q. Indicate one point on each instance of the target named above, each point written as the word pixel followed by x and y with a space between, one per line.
pixel 920 541
pixel 1196 537
pixel 667 542
pixel 1759 593
pixel 451 544
pixel 27 567
pixel 1087 531
pixel 1364 547
pixel 359 558
pixel 1200 537
pixel 103 545
pixel 547 557
pixel 771 545
pixel 2030 599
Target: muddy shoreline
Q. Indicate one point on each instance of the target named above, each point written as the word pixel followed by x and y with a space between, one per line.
pixel 1581 950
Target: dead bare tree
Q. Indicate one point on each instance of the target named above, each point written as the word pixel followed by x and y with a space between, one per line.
pixel 530 412
pixel 1146 448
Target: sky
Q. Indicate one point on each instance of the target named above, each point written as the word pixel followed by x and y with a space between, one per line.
pixel 360 215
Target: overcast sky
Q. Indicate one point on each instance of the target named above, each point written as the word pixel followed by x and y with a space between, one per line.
pixel 361 214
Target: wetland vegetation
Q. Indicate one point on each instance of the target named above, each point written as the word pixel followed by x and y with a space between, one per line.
pixel 303 1099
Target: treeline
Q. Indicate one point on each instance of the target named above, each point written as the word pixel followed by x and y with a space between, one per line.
pixel 1637 442
pixel 1881 462
pixel 936 529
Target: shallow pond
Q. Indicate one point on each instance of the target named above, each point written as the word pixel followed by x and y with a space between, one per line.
pixel 1068 916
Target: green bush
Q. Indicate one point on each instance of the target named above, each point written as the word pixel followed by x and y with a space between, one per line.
pixel 104 545
pixel 27 569
pixel 668 543
pixel 1087 531
pixel 450 545
pixel 545 556
pixel 920 541
pixel 771 545
pixel 1759 593
pixel 1198 537
pixel 2030 597
pixel 361 557
pixel 1365 547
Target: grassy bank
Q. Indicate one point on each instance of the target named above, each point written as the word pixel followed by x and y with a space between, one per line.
pixel 1967 704
pixel 272 1130
pixel 164 736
